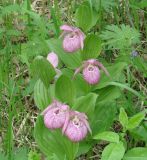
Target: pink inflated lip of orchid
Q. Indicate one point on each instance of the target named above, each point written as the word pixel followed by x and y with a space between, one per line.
pixel 55 115
pixel 73 38
pixel 90 71
pixel 77 127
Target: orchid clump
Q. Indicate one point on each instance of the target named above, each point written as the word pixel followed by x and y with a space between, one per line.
pixel 73 38
pixel 73 123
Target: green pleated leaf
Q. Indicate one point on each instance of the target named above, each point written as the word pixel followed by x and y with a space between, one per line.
pixel 43 70
pixel 86 104
pixel 53 144
pixel 108 93
pixel 42 95
pixel 92 47
pixel 135 120
pixel 82 87
pixel 107 136
pixel 104 116
pixel 65 90
pixel 138 153
pixel 113 151
pixel 84 16
pixel 70 60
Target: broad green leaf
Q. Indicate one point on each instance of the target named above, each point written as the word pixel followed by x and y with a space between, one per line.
pixel 103 117
pixel 84 16
pixel 92 47
pixel 52 142
pixel 107 136
pixel 42 95
pixel 113 151
pixel 86 104
pixel 43 70
pixel 140 133
pixel 82 87
pixel 108 93
pixel 84 147
pixel 116 74
pixel 123 118
pixel 65 89
pixel 138 153
pixel 70 60
pixel 21 152
pixel 3 157
pixel 135 120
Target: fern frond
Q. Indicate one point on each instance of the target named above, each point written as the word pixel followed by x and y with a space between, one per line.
pixel 120 37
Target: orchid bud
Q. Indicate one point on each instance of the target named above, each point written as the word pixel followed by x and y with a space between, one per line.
pixel 73 38
pixel 77 127
pixel 55 115
pixel 53 59
pixel 91 72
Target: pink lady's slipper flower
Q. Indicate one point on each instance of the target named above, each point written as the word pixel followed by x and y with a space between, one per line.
pixel 55 115
pixel 53 59
pixel 73 38
pixel 91 72
pixel 77 127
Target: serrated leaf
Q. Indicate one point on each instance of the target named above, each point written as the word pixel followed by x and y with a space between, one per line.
pixel 123 118
pixel 86 104
pixel 53 142
pixel 122 37
pixel 107 136
pixel 43 70
pixel 65 89
pixel 113 151
pixel 84 17
pixel 135 120
pixel 138 153
pixel 92 47
pixel 42 95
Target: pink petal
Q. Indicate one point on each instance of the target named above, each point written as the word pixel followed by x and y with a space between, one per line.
pixel 53 59
pixel 102 67
pixel 67 28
